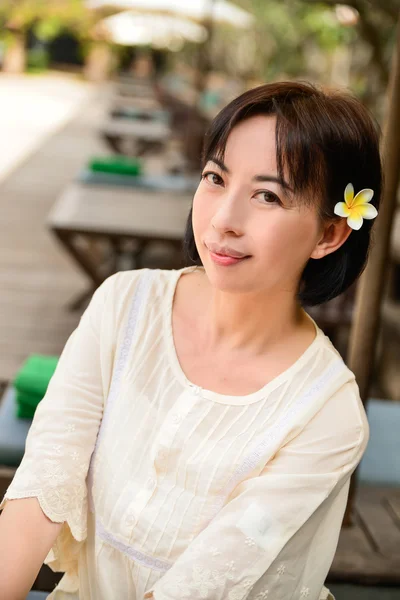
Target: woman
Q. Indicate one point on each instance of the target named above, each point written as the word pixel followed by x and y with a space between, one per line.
pixel 217 424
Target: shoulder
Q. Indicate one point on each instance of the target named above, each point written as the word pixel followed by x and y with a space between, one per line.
pixel 345 399
pixel 344 416
pixel 123 284
pixel 120 290
pixel 339 415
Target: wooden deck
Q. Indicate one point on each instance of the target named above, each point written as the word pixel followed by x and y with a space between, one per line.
pixel 369 551
pixel 37 278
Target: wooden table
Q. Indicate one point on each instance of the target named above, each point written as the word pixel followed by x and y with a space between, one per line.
pixel 140 114
pixel 135 102
pixel 84 213
pixel 135 90
pixel 140 135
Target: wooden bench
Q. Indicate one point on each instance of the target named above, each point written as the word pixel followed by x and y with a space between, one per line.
pixel 117 218
pixel 135 137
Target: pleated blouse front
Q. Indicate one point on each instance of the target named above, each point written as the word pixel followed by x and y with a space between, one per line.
pixel 171 490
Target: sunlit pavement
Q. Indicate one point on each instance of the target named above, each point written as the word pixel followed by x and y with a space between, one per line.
pixel 32 107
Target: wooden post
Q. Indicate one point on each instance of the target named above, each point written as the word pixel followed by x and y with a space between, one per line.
pixel 14 61
pixel 99 62
pixel 365 328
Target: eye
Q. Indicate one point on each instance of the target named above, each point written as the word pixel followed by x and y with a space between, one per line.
pixel 212 178
pixel 267 197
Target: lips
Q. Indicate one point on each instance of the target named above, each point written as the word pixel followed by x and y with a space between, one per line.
pixel 225 251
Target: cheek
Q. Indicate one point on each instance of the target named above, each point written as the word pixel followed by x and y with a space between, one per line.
pixel 200 214
pixel 286 244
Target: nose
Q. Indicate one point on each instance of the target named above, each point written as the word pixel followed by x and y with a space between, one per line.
pixel 228 216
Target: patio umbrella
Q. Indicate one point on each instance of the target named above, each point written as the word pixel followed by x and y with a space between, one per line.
pixel 223 12
pixel 163 31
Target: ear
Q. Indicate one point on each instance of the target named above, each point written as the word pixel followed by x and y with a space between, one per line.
pixel 333 236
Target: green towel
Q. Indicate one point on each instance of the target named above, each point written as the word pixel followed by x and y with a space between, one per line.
pixel 121 165
pixel 26 405
pixel 35 374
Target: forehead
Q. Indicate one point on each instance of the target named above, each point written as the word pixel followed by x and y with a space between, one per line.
pixel 251 145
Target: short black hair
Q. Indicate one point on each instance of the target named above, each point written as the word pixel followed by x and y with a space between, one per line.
pixel 324 139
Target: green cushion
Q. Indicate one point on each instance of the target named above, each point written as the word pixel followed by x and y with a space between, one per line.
pixel 35 374
pixel 121 165
pixel 26 405
pixel 162 183
pixel 13 431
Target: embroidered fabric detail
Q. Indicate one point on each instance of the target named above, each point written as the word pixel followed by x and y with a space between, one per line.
pixel 204 581
pixel 260 446
pixel 144 559
pixel 249 542
pixel 262 595
pixel 133 318
pixel 59 505
pixel 281 570
pixel 240 592
pixel 62 500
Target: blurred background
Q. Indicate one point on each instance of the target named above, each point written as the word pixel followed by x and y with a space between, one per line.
pixel 103 108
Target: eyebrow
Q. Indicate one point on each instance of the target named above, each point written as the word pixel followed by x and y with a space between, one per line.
pixel 273 178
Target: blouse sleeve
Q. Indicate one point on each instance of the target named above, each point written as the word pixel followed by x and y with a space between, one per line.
pixel 62 436
pixel 277 533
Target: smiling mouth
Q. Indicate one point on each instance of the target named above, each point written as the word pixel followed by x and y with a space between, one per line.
pixel 230 256
pixel 235 255
pixel 226 260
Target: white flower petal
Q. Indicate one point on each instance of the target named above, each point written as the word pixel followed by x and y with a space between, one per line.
pixel 355 221
pixel 349 194
pixel 367 211
pixel 363 197
pixel 341 209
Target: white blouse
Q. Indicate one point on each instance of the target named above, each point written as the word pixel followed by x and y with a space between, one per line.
pixel 169 489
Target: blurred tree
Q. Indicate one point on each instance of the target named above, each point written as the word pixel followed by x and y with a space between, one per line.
pixel 286 40
pixel 46 19
pixel 311 39
pixel 376 25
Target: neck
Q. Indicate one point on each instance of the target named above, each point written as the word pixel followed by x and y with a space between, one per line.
pixel 251 322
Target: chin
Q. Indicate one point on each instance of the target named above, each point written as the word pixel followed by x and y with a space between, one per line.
pixel 226 279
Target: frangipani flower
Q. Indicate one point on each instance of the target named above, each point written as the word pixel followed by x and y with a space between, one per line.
pixel 356 208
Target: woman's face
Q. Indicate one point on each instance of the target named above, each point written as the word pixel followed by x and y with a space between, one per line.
pixel 240 206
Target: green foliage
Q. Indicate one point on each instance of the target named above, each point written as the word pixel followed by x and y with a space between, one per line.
pixel 305 39
pixel 323 24
pixel 47 29
pixel 288 31
pixel 38 59
pixel 47 17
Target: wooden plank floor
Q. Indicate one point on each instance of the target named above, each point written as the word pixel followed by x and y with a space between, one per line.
pixel 369 551
pixel 37 277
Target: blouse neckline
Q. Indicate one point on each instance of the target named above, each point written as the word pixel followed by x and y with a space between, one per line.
pixel 209 394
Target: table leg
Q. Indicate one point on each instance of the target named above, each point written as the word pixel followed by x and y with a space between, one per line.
pixel 114 141
pixel 86 263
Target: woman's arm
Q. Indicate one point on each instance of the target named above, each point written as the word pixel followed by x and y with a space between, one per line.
pixel 278 531
pixel 26 537
pixel 45 506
